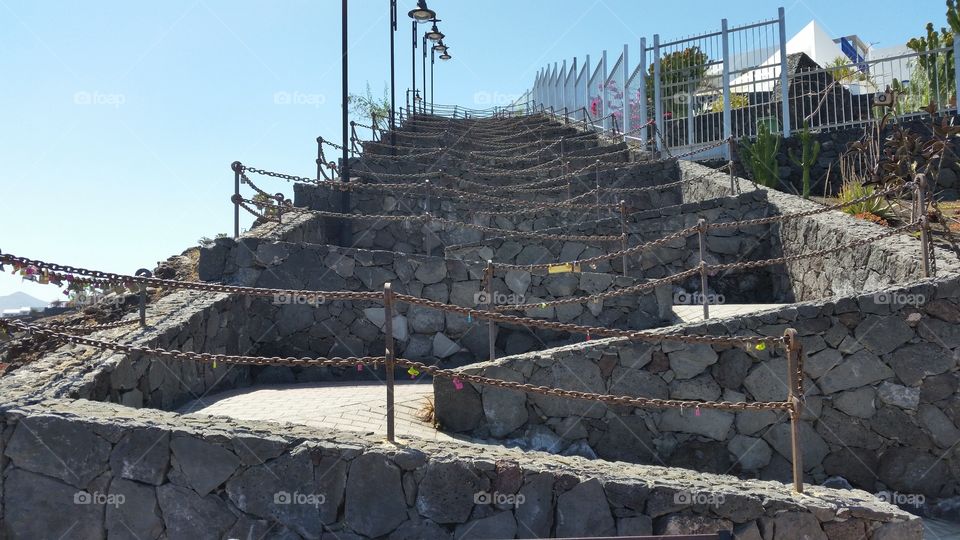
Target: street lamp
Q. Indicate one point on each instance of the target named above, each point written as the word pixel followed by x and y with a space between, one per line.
pixel 440 47
pixel 446 54
pixel 434 34
pixel 422 14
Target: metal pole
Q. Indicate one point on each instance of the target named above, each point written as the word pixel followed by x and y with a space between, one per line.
pixel 657 98
pixel 393 79
pixel 143 272
pixel 956 68
pixel 433 53
pixel 413 62
pixel 596 177
pixel 586 87
pixel 345 227
pixel 237 168
pixel 795 398
pixel 727 112
pixel 604 102
pixel 784 78
pixel 492 326
pixel 643 93
pixel 423 102
pixel 924 229
pixel 624 77
pixel 623 232
pixel 731 152
pixel 702 232
pixel 389 354
pixel 320 163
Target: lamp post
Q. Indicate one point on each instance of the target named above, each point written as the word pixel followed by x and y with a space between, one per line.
pixel 345 227
pixel 393 79
pixel 423 104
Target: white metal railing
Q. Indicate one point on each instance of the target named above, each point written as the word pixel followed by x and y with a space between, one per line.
pixel 703 89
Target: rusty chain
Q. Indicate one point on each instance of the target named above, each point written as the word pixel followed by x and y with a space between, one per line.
pixel 641 402
pixel 206 358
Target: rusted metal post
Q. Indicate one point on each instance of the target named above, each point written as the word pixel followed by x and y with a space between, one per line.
pixel 795 398
pixel 320 161
pixel 924 222
pixel 597 181
pixel 566 119
pixel 488 291
pixel 702 233
pixel 143 272
pixel 237 168
pixel 734 186
pixel 390 356
pixel 623 233
pixel 426 197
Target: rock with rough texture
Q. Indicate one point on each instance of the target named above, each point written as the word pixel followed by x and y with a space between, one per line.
pixel 899 396
pixel 505 409
pixel 859 369
pixel 914 362
pixel 626 439
pixel 499 525
pixel 797 526
pixel 47 508
pixel 374 503
pixel 59 448
pixel 911 471
pixel 711 423
pixel 859 402
pixel 204 465
pixel 883 334
pixel 752 453
pixel 139 514
pixel 142 455
pixel 583 512
pixel 813 447
pixel 448 492
pixel 692 360
pixel 535 515
pixel 187 515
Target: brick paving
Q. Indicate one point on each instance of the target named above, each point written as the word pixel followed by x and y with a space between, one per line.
pixel 353 406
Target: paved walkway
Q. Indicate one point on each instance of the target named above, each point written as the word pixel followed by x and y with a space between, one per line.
pixel 352 405
pixel 695 313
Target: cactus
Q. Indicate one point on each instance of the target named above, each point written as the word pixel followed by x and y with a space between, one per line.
pixel 760 157
pixel 811 150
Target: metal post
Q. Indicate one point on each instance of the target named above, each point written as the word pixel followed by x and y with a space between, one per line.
pixel 423 102
pixel 596 177
pixel 643 92
pixel 657 104
pixel 586 86
pixel 389 354
pixel 924 228
pixel 795 398
pixel 492 326
pixel 623 232
pixel 604 102
pixel 320 162
pixel 727 112
pixel 784 78
pixel 731 152
pixel 624 77
pixel 426 199
pixel 702 232
pixel 393 80
pixel 413 62
pixel 562 88
pixel 237 168
pixel 433 53
pixel 345 227
pixel 956 68
pixel 143 272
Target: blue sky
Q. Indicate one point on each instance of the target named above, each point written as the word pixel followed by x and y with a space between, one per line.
pixel 122 118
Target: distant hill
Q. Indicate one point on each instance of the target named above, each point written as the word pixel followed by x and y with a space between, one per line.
pixel 21 299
